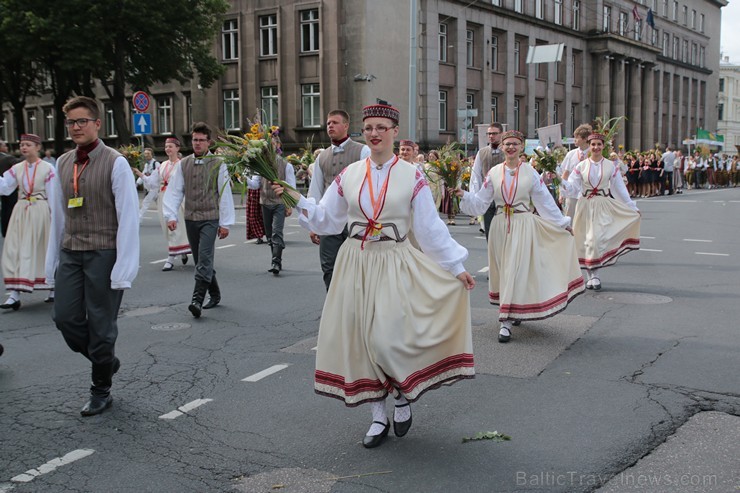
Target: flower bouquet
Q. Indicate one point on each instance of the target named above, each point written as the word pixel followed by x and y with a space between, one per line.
pixel 133 155
pixel 254 154
pixel 447 170
pixel 548 161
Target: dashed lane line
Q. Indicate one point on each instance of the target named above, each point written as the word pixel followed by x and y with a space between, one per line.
pixel 483 270
pixel 649 250
pixel 713 254
pixel 265 373
pixel 697 241
pixel 647 237
pixel 52 465
pixel 225 246
pixel 161 261
pixel 185 409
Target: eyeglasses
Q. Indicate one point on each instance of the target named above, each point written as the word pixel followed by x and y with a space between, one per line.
pixel 493 133
pixel 511 144
pixel 80 122
pixel 381 129
pixel 200 140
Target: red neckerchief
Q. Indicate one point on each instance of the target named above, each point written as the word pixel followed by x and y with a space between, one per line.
pixel 84 151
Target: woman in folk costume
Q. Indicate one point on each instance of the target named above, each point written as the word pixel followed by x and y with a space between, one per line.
pixel 177 241
pixel 533 267
pixel 24 251
pixel 606 222
pixel 255 223
pixel 396 320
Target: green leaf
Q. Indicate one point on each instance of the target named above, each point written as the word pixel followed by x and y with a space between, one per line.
pixel 488 435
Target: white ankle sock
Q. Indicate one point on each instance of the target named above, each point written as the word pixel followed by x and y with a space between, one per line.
pixel 378 410
pixel 401 414
pixel 505 328
pixel 171 259
pixel 13 297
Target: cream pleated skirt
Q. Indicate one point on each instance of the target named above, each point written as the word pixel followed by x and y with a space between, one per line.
pixel 393 322
pixel 533 268
pixel 24 250
pixel 605 229
pixel 177 240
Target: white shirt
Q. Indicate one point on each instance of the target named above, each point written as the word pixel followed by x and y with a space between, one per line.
pixel 329 217
pixel 572 158
pixel 127 237
pixel 255 182
pixel 316 189
pixel 574 184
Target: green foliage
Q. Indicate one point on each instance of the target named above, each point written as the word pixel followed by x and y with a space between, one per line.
pixel 487 435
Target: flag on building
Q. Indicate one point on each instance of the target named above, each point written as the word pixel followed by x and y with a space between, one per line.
pixel 650 20
pixel 636 14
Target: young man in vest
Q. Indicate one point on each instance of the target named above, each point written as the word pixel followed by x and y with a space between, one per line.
pixel 207 214
pixel 93 246
pixel 487 158
pixel 571 159
pixel 330 162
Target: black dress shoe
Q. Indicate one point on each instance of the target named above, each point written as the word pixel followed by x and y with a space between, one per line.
pixel 516 322
pixel 400 428
pixel 504 338
pixel 14 305
pixel 597 285
pixel 96 405
pixel 167 267
pixel 375 440
pixel 195 308
pixel 212 301
pixel 275 269
pixel 260 241
pixel 184 259
pixel 49 299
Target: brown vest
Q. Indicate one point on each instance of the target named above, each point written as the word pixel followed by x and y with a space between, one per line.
pixel 267 196
pixel 332 164
pixel 201 188
pixel 489 159
pixel 94 226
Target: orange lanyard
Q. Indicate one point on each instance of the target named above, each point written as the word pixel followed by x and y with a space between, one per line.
pixel 509 193
pixel 380 202
pixel 168 171
pixel 76 177
pixel 29 180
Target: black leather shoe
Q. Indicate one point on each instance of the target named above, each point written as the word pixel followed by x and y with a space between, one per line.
pixel 184 259
pixel 516 322
pixel 375 440
pixel 96 405
pixel 400 428
pixel 260 241
pixel 14 305
pixel 195 308
pixel 212 301
pixel 49 299
pixel 275 269
pixel 597 284
pixel 504 338
pixel 167 267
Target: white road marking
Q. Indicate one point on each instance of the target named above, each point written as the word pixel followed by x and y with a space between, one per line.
pixel 253 240
pixel 315 348
pixel 5 487
pixel 159 261
pixel 684 201
pixel 699 241
pixel 52 465
pixel 647 237
pixel 480 237
pixel 734 201
pixel 265 373
pixel 483 270
pixel 649 250
pixel 184 409
pixel 291 233
pixel 225 246
pixel 715 254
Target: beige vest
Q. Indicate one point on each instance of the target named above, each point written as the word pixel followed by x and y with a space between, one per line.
pixel 604 185
pixel 522 197
pixel 267 196
pixel 201 188
pixel 39 183
pixel 93 226
pixel 489 159
pixel 332 164
pixel 396 214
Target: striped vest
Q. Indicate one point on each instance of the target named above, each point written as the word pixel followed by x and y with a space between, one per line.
pixel 201 188
pixel 489 159
pixel 332 164
pixel 267 196
pixel 94 226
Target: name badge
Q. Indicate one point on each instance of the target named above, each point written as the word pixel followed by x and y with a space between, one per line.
pixel 75 202
pixel 31 199
pixel 374 234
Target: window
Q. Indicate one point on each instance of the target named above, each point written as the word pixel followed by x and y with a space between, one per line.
pixel 516 114
pixel 517 70
pixel 675 10
pixel 270 115
pixel 188 111
pixel 558 18
pixel 701 57
pixel 494 108
pixel 676 45
pixel 622 23
pixel 309 30
pixel 497 3
pixel 721 111
pixel 638 30
pixel 573 116
pixel 164 115
pixel 576 25
pixel 701 23
pixel 539 9
pixel 685 51
pixel 231 109
pixel 31 122
pixel 6 131
pixel 230 40
pixel 268 35
pixel 442 111
pixel 694 53
pixel 49 123
pixel 442 36
pixel 110 122
pixel 685 15
pixel 665 8
pixel 469 47
pixel 722 85
pixel 693 19
pixel 666 43
pixel 537 113
pixel 607 20
pixel 519 6
pixel 654 37
pixel 469 101
pixel 556 113
pixel 494 52
pixel 311 98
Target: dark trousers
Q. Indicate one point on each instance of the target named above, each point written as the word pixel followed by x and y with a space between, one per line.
pixel 6 209
pixel 667 181
pixel 202 239
pixel 488 217
pixel 85 307
pixel 273 217
pixel 328 250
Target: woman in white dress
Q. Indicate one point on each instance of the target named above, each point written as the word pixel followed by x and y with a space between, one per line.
pixel 396 320
pixel 24 250
pixel 533 269
pixel 177 240
pixel 606 223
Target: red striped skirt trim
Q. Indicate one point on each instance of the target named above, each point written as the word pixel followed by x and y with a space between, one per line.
pixel 538 311
pixel 179 250
pixel 610 257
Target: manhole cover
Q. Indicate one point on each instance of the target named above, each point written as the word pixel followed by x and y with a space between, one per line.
pixel 171 326
pixel 149 310
pixel 634 298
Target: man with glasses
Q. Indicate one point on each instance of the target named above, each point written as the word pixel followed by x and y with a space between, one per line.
pixel 487 158
pixel 330 162
pixel 93 246
pixel 207 214
pixel 7 202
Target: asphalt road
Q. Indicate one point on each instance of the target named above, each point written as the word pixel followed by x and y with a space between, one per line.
pixel 226 402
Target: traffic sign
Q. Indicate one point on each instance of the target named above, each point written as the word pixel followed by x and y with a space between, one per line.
pixel 142 124
pixel 141 101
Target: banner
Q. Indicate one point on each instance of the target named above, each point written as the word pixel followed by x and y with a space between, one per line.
pixel 709 138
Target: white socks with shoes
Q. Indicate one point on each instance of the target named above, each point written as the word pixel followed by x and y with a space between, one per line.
pixel 378 410
pixel 13 297
pixel 402 411
pixel 505 328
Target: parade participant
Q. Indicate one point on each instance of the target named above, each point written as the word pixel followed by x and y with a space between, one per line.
pixel 7 202
pixel 159 180
pixel 49 158
pixel 328 164
pixel 679 173
pixel 151 165
pixel 606 224
pixel 533 268
pixel 396 320
pixel 669 162
pixel 571 159
pixel 24 250
pixel 209 212
pixel 254 220
pixel 487 158
pixel 93 246
pixel 274 211
pixel 406 152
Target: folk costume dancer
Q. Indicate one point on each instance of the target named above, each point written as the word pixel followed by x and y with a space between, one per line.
pixel 7 202
pixel 485 160
pixel 522 242
pixel 327 166
pixel 151 165
pixel 24 250
pixel 93 246
pixel 209 212
pixel 159 180
pixel 607 222
pixel 571 159
pixel 396 320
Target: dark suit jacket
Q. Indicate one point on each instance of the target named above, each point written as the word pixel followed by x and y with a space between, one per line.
pixel 7 202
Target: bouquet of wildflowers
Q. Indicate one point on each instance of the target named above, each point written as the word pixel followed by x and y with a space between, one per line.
pixel 303 159
pixel 609 127
pixel 254 154
pixel 448 169
pixel 133 155
pixel 547 162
